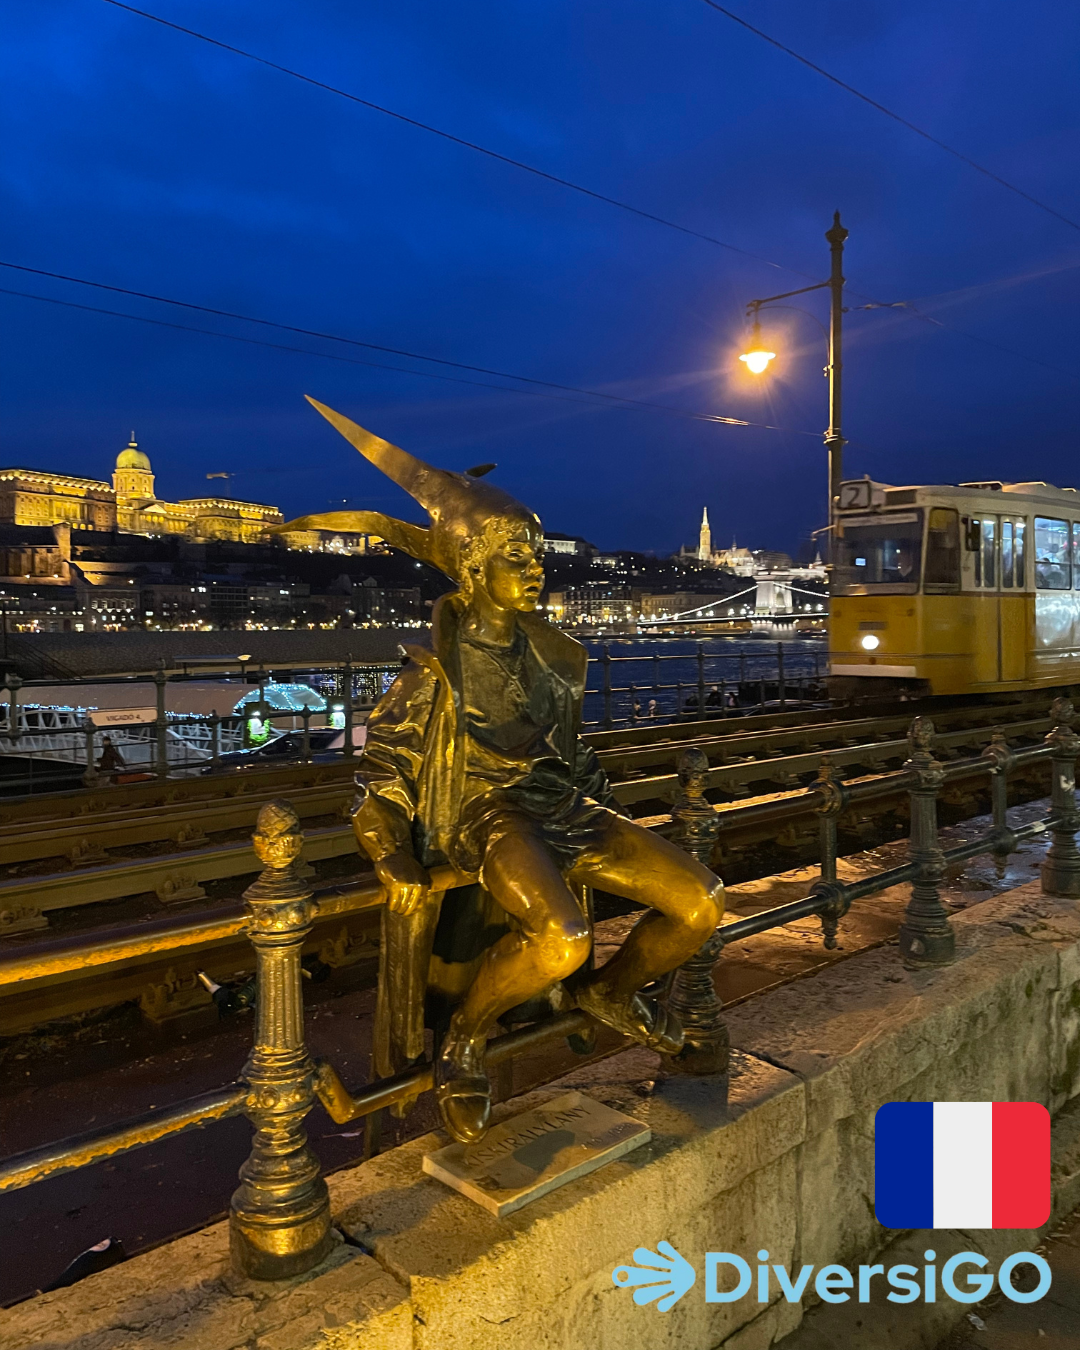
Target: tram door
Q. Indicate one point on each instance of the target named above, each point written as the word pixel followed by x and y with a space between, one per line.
pixel 987 631
pixel 1012 606
pixel 999 546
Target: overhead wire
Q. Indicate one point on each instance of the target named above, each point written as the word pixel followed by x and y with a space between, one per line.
pixel 456 140
pixel 546 385
pixel 613 201
pixel 911 308
pixel 873 103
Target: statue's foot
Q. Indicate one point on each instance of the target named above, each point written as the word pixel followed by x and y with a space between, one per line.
pixel 463 1091
pixel 643 1019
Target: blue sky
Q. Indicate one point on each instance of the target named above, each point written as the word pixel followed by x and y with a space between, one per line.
pixel 143 158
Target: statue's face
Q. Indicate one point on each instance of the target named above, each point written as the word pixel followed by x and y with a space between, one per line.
pixel 513 572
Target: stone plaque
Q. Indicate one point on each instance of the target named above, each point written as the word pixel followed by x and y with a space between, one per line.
pixel 537 1151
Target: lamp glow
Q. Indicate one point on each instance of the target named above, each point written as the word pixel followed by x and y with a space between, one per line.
pixel 870 643
pixel 757 361
pixel 757 356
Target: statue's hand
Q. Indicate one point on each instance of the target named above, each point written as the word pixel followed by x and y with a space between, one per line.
pixel 406 882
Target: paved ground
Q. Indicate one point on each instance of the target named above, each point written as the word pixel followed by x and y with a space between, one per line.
pixel 1051 1324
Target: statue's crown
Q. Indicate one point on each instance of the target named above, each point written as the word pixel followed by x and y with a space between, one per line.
pixel 459 506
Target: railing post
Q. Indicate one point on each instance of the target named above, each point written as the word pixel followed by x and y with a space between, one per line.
pixel 215 740
pixel 306 716
pixel 1061 870
pixel 833 797
pixel 14 684
pixel 161 727
pixel 693 996
pixel 781 691
pixel 1000 758
pixel 701 679
pixel 347 711
pixel 90 773
pixel 605 661
pixel 279 1221
pixel 926 936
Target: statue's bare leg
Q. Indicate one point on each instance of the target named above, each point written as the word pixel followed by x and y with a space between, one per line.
pixel 687 903
pixel 551 941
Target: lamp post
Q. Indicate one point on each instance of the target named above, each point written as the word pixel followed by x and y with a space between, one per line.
pixel 758 356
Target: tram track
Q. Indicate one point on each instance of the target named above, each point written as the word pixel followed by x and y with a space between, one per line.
pixel 769 814
pixel 168 841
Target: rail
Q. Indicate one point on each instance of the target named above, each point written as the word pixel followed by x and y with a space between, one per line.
pixel 91 877
pixel 280 1214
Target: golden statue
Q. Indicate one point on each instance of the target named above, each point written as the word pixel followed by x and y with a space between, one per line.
pixel 473 757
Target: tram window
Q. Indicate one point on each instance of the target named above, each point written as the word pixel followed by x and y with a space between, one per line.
pixel 989 540
pixel 1012 554
pixel 1019 553
pixel 880 551
pixel 942 548
pixel 1052 570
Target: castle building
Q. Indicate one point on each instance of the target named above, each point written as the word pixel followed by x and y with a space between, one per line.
pixel 130 505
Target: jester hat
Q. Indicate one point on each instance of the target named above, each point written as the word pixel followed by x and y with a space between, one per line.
pixel 460 508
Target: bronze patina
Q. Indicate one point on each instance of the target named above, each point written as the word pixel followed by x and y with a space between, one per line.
pixel 473 758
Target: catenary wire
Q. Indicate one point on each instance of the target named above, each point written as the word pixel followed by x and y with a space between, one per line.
pixel 598 196
pixel 456 140
pixel 842 84
pixel 427 374
pixel 911 308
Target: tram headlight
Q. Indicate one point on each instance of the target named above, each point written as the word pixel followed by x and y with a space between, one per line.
pixel 870 643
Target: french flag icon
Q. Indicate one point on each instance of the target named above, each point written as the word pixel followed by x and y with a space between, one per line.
pixel 962 1165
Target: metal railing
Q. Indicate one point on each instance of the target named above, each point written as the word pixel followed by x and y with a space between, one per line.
pixel 172 744
pixel 280 1215
pixel 720 684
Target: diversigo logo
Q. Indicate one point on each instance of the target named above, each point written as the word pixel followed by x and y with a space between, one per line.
pixel 937 1165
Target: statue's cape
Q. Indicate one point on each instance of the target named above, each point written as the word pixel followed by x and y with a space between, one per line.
pixel 473 921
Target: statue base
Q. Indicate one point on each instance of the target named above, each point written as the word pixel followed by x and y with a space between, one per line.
pixel 533 1153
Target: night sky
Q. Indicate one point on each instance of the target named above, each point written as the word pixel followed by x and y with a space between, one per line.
pixel 141 157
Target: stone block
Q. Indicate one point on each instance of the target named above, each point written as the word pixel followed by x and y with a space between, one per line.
pixel 184 1296
pixel 710 1174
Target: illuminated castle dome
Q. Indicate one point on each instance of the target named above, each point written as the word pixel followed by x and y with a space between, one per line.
pixel 133 483
pixel 132 457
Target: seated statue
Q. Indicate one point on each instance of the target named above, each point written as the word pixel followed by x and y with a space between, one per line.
pixel 474 758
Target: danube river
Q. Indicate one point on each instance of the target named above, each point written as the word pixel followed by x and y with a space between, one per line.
pixel 652 679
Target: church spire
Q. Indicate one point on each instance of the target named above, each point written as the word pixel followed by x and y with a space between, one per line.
pixel 705 538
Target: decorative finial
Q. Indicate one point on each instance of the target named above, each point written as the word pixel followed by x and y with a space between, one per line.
pixel 693 772
pixel 278 838
pixel 921 735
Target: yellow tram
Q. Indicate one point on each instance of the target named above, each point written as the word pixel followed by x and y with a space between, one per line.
pixel 954 590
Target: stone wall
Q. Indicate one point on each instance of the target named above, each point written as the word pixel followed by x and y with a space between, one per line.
pixel 787 1165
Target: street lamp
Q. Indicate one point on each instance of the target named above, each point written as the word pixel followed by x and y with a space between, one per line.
pixel 757 356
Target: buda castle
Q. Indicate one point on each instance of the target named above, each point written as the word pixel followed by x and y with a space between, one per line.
pixel 33 497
